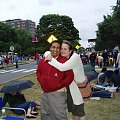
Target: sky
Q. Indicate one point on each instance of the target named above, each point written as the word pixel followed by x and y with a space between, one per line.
pixel 85 14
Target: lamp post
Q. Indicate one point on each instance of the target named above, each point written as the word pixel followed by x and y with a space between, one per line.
pixel 34 40
pixel 12 49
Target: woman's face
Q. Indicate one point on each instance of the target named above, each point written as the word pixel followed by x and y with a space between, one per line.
pixel 65 52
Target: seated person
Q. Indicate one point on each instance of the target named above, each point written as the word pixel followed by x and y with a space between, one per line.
pixel 116 79
pixel 109 74
pixel 101 80
pixel 17 100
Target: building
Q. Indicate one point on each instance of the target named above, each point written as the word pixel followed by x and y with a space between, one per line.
pixel 91 43
pixel 26 25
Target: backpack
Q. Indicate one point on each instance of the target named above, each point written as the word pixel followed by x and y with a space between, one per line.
pixel 85 89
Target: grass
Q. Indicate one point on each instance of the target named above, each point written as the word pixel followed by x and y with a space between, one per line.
pixel 103 109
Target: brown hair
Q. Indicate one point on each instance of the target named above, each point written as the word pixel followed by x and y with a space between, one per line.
pixel 70 46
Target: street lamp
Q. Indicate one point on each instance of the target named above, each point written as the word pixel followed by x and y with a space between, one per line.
pixel 34 40
pixel 12 49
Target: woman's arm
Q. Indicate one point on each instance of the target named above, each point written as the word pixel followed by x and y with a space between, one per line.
pixel 69 64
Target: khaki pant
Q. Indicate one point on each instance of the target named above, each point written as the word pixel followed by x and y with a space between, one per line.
pixel 53 106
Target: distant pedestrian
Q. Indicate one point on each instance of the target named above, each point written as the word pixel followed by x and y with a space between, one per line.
pixel 100 60
pixel 92 59
pixel 1 61
pixel 16 58
pixel 6 61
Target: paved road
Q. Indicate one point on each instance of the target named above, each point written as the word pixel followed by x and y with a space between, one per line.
pixel 12 73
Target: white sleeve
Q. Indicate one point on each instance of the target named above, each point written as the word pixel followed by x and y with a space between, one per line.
pixel 46 53
pixel 69 64
pixel 118 57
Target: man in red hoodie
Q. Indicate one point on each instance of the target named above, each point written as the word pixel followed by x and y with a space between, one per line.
pixel 53 83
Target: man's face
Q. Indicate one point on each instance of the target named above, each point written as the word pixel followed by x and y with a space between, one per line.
pixel 55 49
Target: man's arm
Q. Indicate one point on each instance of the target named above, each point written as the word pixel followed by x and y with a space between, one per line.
pixel 38 71
pixel 68 79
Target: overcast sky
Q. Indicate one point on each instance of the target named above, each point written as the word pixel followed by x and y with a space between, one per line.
pixel 84 13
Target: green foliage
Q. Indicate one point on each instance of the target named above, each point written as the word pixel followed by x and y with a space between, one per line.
pixel 7 34
pixel 61 27
pixel 20 39
pixel 24 41
pixel 108 34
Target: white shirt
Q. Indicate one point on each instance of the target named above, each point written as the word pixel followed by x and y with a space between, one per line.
pixel 118 59
pixel 76 65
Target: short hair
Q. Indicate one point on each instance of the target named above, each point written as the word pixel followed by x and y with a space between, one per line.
pixel 104 69
pixel 56 41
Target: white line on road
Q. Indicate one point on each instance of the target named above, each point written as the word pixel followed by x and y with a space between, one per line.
pixel 18 70
pixel 28 70
pixel 5 71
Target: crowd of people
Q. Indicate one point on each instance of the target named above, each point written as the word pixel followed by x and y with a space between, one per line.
pixel 59 72
pixel 5 60
pixel 100 58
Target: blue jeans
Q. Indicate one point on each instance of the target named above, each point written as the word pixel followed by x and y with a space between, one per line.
pixel 102 94
pixel 25 106
pixel 91 75
pixel 1 102
pixel 16 64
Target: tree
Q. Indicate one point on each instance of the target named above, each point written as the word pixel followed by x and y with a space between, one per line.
pixel 108 34
pixel 20 39
pixel 24 41
pixel 7 34
pixel 61 27
pixel 104 33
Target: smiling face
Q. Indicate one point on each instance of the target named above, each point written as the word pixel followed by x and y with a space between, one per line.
pixel 55 49
pixel 65 50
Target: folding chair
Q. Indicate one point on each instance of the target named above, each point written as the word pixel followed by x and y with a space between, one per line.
pixel 6 117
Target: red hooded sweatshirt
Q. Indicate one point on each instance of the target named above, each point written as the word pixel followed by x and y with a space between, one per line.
pixel 50 78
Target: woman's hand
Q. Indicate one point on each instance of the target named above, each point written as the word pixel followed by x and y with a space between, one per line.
pixel 48 57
